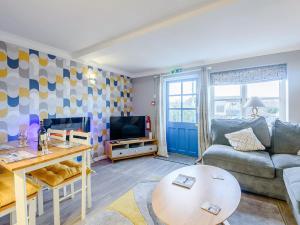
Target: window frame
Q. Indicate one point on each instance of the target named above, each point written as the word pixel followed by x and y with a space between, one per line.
pixel 181 95
pixel 243 99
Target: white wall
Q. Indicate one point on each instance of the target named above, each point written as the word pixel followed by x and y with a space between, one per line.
pixel 143 91
pixel 144 87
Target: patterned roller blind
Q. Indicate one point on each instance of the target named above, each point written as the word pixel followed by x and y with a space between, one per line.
pixel 249 75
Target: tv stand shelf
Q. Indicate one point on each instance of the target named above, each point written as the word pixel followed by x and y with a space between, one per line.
pixel 124 149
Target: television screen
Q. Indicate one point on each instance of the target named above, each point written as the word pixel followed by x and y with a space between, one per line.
pixel 72 123
pixel 127 127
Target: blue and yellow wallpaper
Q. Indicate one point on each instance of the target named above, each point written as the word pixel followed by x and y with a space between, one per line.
pixel 35 85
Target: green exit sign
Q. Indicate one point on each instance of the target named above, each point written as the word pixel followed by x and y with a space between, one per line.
pixel 176 70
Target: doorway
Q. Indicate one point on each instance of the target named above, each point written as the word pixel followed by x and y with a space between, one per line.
pixel 181 116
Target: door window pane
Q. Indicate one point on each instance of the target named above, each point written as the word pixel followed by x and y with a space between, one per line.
pixel 174 115
pixel 265 89
pixel 227 91
pixel 227 109
pixel 189 101
pixel 174 88
pixel 189 87
pixel 189 116
pixel 182 101
pixel 174 101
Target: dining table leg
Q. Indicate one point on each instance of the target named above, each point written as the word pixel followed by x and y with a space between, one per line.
pixel 83 186
pixel 21 199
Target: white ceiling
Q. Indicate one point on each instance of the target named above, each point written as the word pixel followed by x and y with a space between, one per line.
pixel 142 36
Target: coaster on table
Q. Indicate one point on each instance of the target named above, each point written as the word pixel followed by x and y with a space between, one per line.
pixel 184 181
pixel 211 208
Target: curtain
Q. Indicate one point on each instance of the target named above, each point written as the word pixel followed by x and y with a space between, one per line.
pixel 203 112
pixel 249 75
pixel 160 114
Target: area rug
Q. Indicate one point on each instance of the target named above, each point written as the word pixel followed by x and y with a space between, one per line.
pixel 134 208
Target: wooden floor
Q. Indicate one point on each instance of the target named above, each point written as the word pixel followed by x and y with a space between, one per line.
pixel 108 183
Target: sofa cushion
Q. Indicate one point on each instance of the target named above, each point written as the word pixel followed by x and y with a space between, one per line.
pixel 283 161
pixel 220 127
pixel 58 173
pixel 291 178
pixel 244 140
pixel 285 138
pixel 256 163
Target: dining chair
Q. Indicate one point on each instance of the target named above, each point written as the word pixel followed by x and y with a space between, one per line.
pixel 63 174
pixel 83 138
pixel 60 135
pixel 8 201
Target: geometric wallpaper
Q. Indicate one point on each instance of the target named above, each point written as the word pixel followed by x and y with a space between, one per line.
pixel 36 85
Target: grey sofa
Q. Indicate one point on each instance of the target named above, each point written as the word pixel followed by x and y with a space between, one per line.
pixel 291 178
pixel 274 172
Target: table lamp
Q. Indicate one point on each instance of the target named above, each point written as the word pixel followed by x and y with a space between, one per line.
pixel 254 102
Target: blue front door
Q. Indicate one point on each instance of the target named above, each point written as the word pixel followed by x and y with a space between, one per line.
pixel 182 133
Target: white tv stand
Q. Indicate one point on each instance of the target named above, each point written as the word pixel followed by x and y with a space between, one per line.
pixel 124 149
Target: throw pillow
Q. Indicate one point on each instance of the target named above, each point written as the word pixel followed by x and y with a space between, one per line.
pixel 244 140
pixel 285 138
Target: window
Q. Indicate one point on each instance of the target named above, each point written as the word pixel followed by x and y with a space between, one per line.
pixel 228 100
pixel 182 101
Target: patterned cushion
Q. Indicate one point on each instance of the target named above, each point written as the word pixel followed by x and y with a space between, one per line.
pixel 7 191
pixel 244 140
pixel 56 174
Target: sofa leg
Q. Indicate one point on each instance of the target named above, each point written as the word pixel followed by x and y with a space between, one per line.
pixel 199 161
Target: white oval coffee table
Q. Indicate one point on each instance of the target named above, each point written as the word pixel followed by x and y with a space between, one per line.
pixel 175 205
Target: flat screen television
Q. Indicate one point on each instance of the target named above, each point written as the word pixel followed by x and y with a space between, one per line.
pixel 126 127
pixel 72 123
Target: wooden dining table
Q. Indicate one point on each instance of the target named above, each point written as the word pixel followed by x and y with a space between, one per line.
pixel 55 155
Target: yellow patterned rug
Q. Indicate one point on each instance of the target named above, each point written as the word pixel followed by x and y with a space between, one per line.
pixel 127 206
pixel 134 208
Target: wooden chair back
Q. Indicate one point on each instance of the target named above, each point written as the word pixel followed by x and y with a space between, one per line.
pixel 60 135
pixel 80 137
